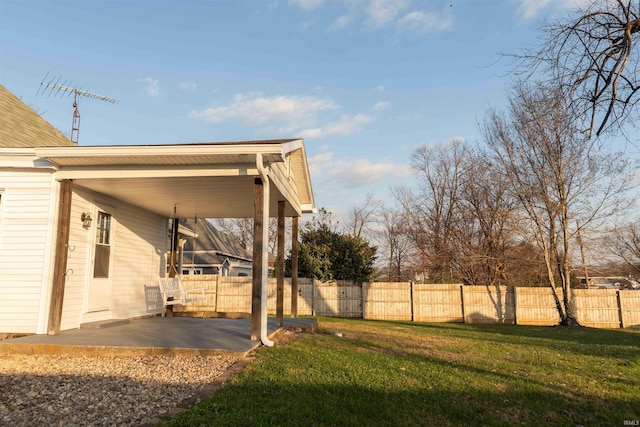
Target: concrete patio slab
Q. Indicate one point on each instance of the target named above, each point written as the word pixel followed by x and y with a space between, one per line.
pixel 153 336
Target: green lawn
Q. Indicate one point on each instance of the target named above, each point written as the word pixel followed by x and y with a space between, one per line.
pixel 390 374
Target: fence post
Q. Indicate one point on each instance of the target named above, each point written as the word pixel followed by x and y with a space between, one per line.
pixel 313 297
pixel 217 289
pixel 515 303
pixel 464 318
pixel 411 297
pixel 620 313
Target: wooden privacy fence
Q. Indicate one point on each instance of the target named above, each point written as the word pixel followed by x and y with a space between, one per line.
pixel 407 301
pixel 315 298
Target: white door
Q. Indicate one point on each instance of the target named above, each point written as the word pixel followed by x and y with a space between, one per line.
pixel 101 265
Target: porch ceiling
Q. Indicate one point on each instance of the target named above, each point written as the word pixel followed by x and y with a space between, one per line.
pixel 205 197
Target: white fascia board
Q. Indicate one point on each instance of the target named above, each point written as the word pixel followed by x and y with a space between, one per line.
pixel 22 151
pixel 155 151
pixel 22 158
pixel 288 147
pixel 308 209
pixel 142 171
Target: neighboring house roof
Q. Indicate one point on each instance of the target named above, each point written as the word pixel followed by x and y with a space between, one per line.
pixel 21 127
pixel 212 246
pixel 608 282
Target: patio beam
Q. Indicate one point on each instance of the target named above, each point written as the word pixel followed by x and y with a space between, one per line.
pixel 61 254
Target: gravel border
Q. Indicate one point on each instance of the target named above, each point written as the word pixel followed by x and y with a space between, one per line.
pixel 63 390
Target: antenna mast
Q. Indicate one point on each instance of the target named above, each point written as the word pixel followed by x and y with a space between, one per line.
pixel 65 88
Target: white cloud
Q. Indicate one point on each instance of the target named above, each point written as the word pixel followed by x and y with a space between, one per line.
pixel 346 125
pixel 380 88
pixel 355 172
pixel 304 116
pixel 306 4
pixel 190 86
pixel 382 105
pixel 420 22
pixel 256 110
pixel 530 9
pixel 383 12
pixel 380 15
pixel 305 25
pixel 152 86
pixel 341 23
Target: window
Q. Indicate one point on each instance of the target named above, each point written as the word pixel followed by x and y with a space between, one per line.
pixel 103 246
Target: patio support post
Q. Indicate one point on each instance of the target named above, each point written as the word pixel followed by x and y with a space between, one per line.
pixel 280 267
pixel 174 247
pixel 294 267
pixel 60 262
pixel 256 288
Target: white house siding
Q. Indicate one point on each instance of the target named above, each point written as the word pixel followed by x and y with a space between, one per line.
pixel 73 305
pixel 27 223
pixel 139 240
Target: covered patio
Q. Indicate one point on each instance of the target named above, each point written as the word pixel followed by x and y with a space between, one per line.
pixel 250 179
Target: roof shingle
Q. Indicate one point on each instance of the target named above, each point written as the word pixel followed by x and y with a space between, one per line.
pixel 22 127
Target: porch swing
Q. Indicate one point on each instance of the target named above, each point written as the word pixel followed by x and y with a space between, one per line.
pixel 172 289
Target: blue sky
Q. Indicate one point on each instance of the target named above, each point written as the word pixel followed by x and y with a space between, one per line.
pixel 364 82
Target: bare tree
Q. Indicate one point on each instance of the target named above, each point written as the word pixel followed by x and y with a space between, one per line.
pixel 362 216
pixel 430 206
pixel 625 244
pixel 557 174
pixel 394 245
pixel 486 214
pixel 242 228
pixel 593 56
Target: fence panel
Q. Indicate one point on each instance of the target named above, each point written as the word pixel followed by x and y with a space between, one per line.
pixel 198 281
pixel 437 303
pixel 488 304
pixel 597 308
pixel 630 308
pixel 387 301
pixel 272 297
pixel 305 297
pixel 537 306
pixel 337 298
pixel 234 294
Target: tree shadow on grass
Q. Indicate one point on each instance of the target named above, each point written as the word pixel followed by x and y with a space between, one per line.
pixel 288 404
pixel 621 343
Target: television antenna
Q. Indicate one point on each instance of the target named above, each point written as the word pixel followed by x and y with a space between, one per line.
pixel 53 86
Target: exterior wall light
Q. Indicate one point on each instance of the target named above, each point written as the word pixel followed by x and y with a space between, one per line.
pixel 86 219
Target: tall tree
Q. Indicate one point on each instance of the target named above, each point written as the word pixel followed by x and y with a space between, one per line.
pixel 625 244
pixel 593 56
pixel 327 254
pixel 394 245
pixel 430 206
pixel 360 218
pixel 486 213
pixel 557 174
